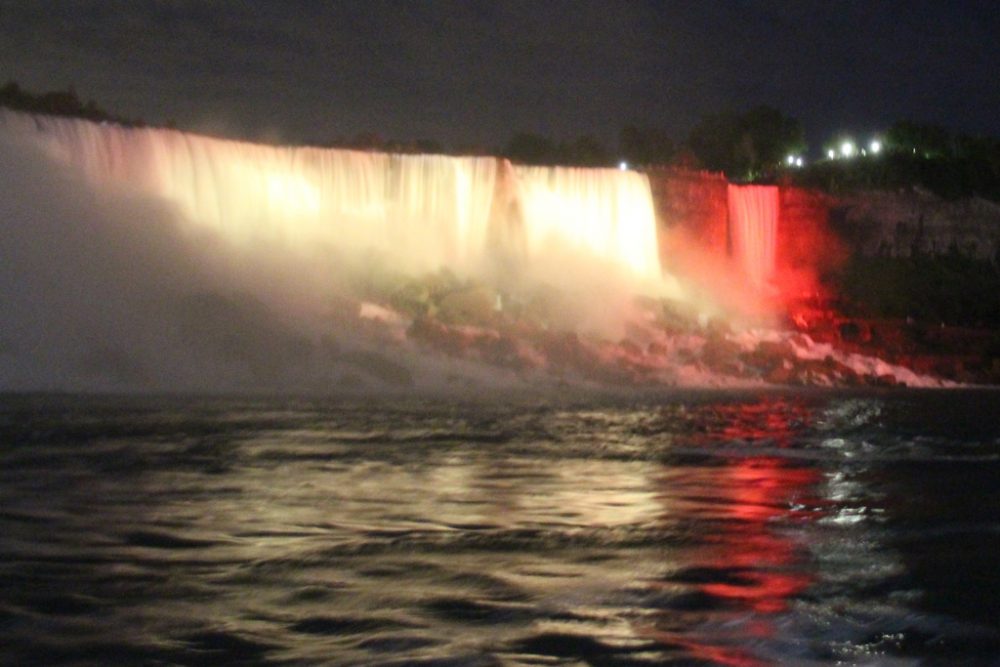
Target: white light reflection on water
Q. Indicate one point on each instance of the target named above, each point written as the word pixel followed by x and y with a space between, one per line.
pixel 708 530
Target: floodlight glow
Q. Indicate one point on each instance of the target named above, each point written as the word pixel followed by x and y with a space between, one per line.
pixel 875 146
pixel 831 154
pixel 798 162
pixel 847 149
pixel 790 160
pixel 623 165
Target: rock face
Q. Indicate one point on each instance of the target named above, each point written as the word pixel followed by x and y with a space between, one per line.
pixel 915 222
pixel 899 223
pixel 694 201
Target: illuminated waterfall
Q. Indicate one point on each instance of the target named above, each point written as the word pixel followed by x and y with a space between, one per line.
pixel 753 229
pixel 421 211
pixel 605 213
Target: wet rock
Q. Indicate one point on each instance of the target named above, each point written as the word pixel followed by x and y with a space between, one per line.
pixel 718 327
pixel 676 317
pixel 781 374
pixel 839 373
pixel 850 332
pixel 658 349
pixel 509 352
pixel 722 355
pixel 472 305
pixel 564 350
pixel 769 356
pixel 884 380
pixel 630 348
pixel 432 333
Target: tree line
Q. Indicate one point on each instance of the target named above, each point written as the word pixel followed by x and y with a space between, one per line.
pixel 747 146
pixel 743 145
pixel 57 103
pixel 951 165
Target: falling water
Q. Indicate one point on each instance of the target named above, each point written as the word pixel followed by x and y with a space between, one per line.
pixel 420 212
pixel 753 228
pixel 602 212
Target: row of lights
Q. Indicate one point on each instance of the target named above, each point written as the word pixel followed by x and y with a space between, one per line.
pixel 849 149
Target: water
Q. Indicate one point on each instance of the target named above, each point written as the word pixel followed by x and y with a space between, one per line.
pixel 687 528
pixel 416 212
pixel 753 229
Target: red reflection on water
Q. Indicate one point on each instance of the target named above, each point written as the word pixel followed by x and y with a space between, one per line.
pixel 777 421
pixel 750 561
pixel 759 491
pixel 716 655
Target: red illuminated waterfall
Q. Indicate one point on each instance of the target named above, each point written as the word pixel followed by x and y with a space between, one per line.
pixel 753 230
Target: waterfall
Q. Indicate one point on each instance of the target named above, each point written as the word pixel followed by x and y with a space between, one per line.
pixel 605 213
pixel 753 230
pixel 421 212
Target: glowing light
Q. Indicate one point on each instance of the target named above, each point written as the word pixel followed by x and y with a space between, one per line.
pixel 291 194
pixel 832 154
pixel 790 160
pixel 416 212
pixel 798 162
pixel 875 147
pixel 753 225
pixel 848 149
pixel 600 212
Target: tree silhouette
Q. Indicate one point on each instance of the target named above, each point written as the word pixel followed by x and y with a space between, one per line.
pixel 746 146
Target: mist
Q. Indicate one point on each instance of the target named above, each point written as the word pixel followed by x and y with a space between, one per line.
pixel 141 260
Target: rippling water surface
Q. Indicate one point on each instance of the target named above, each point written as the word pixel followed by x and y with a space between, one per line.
pixel 711 528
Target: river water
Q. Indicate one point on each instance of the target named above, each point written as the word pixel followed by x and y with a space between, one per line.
pixel 715 528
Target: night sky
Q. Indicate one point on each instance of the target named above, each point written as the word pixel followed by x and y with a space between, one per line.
pixel 473 73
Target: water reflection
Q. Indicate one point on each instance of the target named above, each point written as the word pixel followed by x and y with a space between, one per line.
pixel 767 563
pixel 726 530
pixel 748 564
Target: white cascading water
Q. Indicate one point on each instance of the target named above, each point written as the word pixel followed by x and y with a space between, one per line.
pixel 151 259
pixel 604 213
pixel 753 229
pixel 421 212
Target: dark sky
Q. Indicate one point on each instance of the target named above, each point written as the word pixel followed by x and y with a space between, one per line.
pixel 472 73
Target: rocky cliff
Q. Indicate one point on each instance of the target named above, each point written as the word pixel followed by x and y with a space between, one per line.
pixel 915 222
